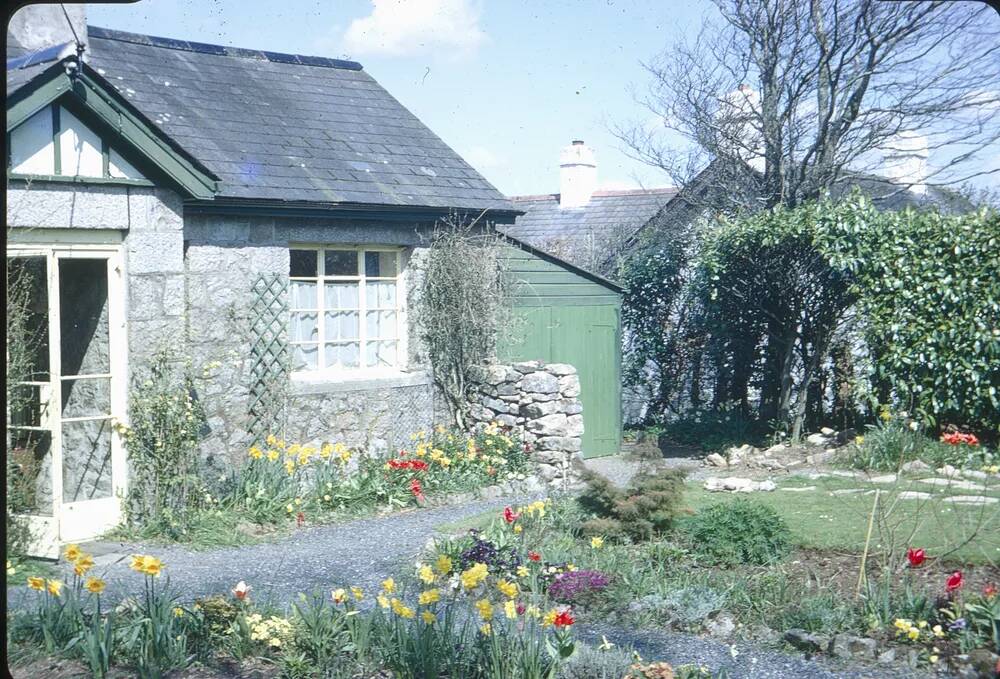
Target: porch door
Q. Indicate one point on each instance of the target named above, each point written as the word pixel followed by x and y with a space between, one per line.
pixel 70 460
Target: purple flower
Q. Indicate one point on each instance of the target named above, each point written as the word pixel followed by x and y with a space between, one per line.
pixel 959 624
pixel 569 587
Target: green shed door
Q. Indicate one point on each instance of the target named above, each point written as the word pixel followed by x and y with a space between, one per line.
pixel 586 337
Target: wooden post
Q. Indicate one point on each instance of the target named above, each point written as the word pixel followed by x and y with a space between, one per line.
pixel 868 539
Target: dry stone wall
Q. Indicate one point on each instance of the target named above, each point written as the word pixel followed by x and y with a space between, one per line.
pixel 542 403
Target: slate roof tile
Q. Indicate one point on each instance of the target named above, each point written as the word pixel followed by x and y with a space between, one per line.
pixel 255 118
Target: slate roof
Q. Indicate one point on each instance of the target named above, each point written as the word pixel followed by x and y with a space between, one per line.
pixel 286 127
pixel 624 212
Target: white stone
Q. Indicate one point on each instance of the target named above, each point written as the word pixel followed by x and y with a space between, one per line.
pixel 574 426
pixel 550 425
pixel 946 470
pixel 560 369
pixel 914 495
pixel 852 491
pixel 915 466
pixel 826 431
pixel 737 484
pixel 569 386
pixel 775 450
pixel 820 458
pixel 816 440
pixel 716 460
pixel 953 483
pixel 801 489
pixel 540 383
pixel 971 500
pixel 887 478
pixel 975 474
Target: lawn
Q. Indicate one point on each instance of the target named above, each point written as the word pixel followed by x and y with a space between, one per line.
pixel 825 520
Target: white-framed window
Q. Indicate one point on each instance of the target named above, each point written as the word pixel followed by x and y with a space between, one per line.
pixel 346 309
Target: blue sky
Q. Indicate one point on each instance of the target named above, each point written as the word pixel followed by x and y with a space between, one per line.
pixel 505 83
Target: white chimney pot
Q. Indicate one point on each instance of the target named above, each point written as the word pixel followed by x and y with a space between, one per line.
pixel 577 175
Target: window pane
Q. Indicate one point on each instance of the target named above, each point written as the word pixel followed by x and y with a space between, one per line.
pixel 380 264
pixel 85 398
pixel 341 296
pixel 27 288
pixel 304 327
pixel 381 353
pixel 304 356
pixel 83 316
pixel 86 460
pixel 342 355
pixel 303 295
pixel 302 263
pixel 341 263
pixel 341 325
pixel 381 324
pixel 30 455
pixel 380 294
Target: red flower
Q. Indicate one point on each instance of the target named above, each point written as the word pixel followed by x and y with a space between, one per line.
pixel 534 556
pixel 415 488
pixel 916 556
pixel 990 591
pixel 509 516
pixel 520 608
pixel 300 519
pixel 956 438
pixel 955 581
pixel 564 619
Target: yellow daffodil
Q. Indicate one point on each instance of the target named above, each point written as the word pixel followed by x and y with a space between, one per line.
pixel 289 508
pixel 272 455
pixel 508 589
pixel 357 593
pixel 485 629
pixel 383 600
pixel 152 566
pixel 913 634
pixel 549 618
pixel 178 612
pixel 510 609
pixel 473 576
pixel 339 596
pixel 389 585
pixel 518 528
pixel 326 450
pixel 426 574
pixel 596 542
pixel 428 617
pixel 72 552
pixel 54 587
pixel 523 572
pixel 256 453
pixel 37 584
pixel 94 585
pixel 400 609
pixel 431 596
pixel 533 611
pixel 443 564
pixel 290 466
pixel 938 631
pixel 83 564
pixel 485 609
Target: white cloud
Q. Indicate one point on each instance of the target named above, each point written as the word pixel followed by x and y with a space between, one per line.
pixel 407 27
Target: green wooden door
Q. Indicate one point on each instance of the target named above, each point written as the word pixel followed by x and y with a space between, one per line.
pixel 586 337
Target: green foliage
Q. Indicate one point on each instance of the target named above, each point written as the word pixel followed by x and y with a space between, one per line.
pixel 890 444
pixel 590 662
pixel 165 422
pixel 739 532
pixel 644 510
pixel 714 430
pixel 693 604
pixel 929 290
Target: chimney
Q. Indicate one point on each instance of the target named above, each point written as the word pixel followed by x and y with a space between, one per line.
pixel 577 175
pixel 905 161
pixel 35 27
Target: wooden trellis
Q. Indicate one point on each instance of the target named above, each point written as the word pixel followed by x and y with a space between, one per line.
pixel 269 353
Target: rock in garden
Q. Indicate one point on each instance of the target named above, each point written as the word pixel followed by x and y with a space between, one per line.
pixel 887 657
pixel 540 383
pixel 887 478
pixel 915 466
pixel 847 646
pixel 946 470
pixel 716 460
pixel 826 431
pixel 776 450
pixel 737 484
pixel 721 627
pixel 971 500
pixel 954 483
pixel 560 369
pixel 821 458
pixel 804 641
pixel 816 440
pixel 914 495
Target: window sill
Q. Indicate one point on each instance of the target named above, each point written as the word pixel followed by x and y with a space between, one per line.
pixel 304 383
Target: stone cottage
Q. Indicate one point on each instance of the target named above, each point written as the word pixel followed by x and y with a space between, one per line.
pixel 230 205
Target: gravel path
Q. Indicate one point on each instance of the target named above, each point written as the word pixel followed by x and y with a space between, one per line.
pixel 749 662
pixel 361 552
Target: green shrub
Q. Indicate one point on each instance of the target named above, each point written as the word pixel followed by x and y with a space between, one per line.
pixel 739 532
pixel 594 663
pixel 647 508
pixel 693 604
pixel 893 442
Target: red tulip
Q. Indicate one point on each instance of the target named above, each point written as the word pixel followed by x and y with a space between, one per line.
pixel 916 556
pixel 534 556
pixel 509 515
pixel 954 581
pixel 564 619
pixel 990 591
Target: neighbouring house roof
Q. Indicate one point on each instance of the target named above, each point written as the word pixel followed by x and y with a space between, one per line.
pixel 545 223
pixel 285 128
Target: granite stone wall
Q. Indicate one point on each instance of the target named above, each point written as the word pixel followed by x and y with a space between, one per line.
pixel 542 403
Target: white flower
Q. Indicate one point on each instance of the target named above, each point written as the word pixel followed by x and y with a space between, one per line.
pixel 914 426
